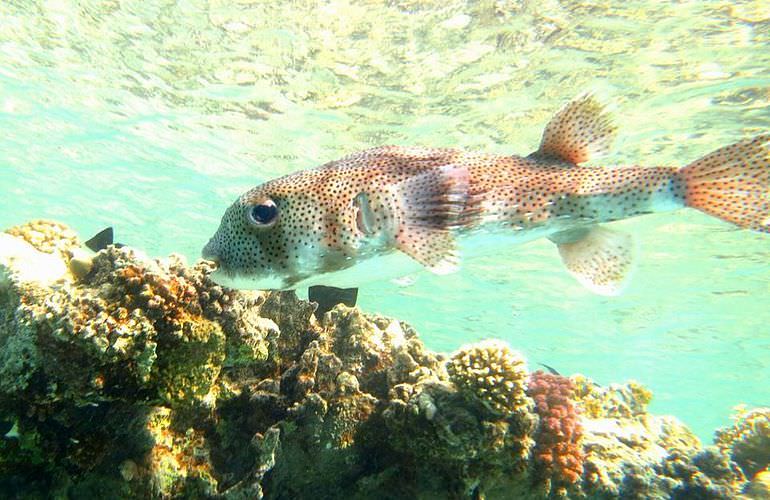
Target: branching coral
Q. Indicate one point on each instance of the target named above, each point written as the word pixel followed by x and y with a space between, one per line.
pixel 558 449
pixel 165 291
pixel 493 374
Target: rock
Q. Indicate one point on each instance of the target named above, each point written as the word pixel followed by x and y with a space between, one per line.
pixel 21 263
pixel 81 262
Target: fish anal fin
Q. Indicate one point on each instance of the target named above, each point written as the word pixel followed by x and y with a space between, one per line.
pixel 600 259
pixel 582 130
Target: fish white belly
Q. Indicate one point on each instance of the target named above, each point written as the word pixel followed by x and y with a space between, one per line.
pixel 385 267
pixel 395 264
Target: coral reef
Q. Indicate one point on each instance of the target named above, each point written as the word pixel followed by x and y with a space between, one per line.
pixel 493 374
pixel 759 487
pixel 629 453
pixel 141 378
pixel 617 401
pixel 47 236
pixel 747 441
pixel 558 453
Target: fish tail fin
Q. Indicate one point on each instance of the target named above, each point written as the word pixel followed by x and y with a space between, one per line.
pixel 732 183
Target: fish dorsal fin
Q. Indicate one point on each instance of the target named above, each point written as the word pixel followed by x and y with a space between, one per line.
pixel 100 240
pixel 427 206
pixel 601 259
pixel 582 130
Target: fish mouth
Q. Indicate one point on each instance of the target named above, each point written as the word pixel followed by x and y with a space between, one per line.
pixel 212 261
pixel 210 256
pixel 224 274
pixel 209 251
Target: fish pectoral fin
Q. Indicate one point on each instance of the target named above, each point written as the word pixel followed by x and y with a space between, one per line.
pixel 429 206
pixel 601 259
pixel 582 130
pixel 434 199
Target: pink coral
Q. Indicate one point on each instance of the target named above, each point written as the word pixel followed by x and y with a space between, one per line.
pixel 557 451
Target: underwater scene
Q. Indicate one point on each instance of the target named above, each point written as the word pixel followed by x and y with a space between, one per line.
pixel 546 293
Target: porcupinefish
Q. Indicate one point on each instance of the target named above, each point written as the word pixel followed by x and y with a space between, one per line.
pixel 324 225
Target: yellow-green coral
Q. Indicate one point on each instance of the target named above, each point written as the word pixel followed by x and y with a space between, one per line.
pixel 615 401
pixel 178 460
pixel 747 441
pixel 347 408
pixel 190 361
pixel 493 373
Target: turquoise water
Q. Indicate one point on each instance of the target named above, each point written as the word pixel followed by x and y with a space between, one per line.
pixel 152 116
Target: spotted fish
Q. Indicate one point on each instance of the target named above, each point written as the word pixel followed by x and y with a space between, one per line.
pixel 371 214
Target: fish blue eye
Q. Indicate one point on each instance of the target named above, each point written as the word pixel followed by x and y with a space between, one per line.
pixel 262 214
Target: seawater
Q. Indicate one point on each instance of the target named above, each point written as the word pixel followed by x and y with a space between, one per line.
pixel 152 116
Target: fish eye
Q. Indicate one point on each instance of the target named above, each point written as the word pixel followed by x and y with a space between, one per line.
pixel 263 214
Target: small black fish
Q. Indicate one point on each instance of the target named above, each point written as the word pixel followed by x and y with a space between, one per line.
pixel 550 369
pixel 102 240
pixel 328 296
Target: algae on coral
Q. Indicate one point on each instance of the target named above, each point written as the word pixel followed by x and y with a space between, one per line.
pixel 142 378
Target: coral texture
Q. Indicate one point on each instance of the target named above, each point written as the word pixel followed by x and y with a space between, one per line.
pixel 141 378
pixel 623 402
pixel 47 236
pixel 747 441
pixel 558 451
pixel 759 487
pixel 493 374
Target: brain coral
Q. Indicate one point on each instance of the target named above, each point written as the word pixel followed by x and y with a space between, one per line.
pixel 493 374
pixel 558 450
